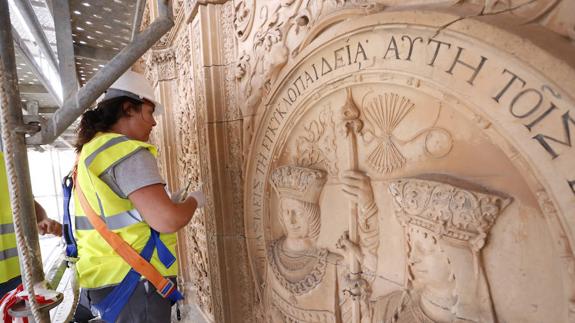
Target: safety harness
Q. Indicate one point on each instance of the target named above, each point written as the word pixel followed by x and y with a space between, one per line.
pixel 111 306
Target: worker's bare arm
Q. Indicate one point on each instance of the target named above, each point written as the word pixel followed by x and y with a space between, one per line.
pixel 45 224
pixel 159 211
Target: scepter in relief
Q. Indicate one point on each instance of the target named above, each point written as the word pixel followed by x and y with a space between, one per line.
pixel 353 126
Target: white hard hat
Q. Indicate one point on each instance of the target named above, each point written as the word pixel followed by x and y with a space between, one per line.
pixel 133 85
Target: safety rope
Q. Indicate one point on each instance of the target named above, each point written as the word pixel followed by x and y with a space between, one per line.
pixel 10 170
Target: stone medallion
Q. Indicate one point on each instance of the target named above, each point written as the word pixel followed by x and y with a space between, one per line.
pixel 450 185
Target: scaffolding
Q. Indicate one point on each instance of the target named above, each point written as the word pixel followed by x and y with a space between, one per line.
pixel 20 131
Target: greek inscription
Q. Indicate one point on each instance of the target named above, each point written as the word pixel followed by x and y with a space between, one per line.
pixel 392 47
pixel 544 139
pixel 315 71
pixel 359 51
pixel 437 48
pixel 411 44
pixel 348 55
pixel 341 58
pixel 257 185
pixel 518 114
pixel 257 200
pixel 338 58
pixel 308 80
pixel 475 69
pixel 281 114
pixel 550 90
pixel 541 117
pixel 526 103
pixel 292 95
pixel 325 67
pixel 261 163
pixel 267 142
pixel 286 101
pixel 514 78
pixel 296 84
pixel 269 137
pixel 275 116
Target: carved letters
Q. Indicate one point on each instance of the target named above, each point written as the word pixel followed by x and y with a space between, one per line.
pixel 448 92
pixel 412 248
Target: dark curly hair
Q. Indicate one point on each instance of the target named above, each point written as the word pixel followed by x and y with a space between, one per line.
pixel 102 118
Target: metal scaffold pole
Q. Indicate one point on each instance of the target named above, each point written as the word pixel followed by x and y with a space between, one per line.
pixel 76 104
pixel 16 159
pixel 16 134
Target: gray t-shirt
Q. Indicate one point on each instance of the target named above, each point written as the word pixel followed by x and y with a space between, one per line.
pixel 132 173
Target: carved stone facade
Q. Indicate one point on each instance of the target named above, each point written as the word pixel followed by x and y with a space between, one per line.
pixel 373 161
pixel 180 65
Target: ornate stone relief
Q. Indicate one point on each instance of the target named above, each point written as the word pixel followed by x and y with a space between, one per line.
pixel 272 32
pixel 164 62
pixel 432 95
pixel 244 18
pixel 202 167
pixel 563 248
pixel 145 17
pixel 277 31
pixel 446 228
pixel 383 114
pixel 316 147
pixel 410 247
pixel 246 299
pixel 553 14
pixel 189 172
pixel 177 6
pixel 199 271
pixel 297 267
pixel 447 211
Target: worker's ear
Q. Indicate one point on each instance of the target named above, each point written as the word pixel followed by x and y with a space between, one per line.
pixel 128 108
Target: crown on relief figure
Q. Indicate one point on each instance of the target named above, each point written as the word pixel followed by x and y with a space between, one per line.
pixel 453 212
pixel 300 183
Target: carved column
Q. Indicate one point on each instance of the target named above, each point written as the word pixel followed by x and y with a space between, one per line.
pixel 163 77
pixel 219 142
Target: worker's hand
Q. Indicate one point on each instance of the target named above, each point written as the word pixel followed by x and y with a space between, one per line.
pixel 199 197
pixel 49 226
pixel 179 196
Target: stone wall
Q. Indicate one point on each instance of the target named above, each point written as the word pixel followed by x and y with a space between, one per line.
pixel 369 161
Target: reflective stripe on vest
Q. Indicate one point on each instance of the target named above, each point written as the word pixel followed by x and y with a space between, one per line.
pixel 8 253
pixel 9 266
pixel 99 265
pixel 108 144
pixel 6 228
pixel 113 222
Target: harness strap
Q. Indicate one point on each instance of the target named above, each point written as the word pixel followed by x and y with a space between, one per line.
pixel 164 286
pixel 67 232
pixel 111 306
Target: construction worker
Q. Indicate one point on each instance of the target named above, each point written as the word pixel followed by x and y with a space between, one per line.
pixel 9 264
pixel 119 190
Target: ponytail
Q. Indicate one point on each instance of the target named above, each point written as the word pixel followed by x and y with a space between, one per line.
pixel 103 118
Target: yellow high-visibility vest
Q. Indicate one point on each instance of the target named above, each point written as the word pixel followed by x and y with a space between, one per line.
pixel 9 265
pixel 99 265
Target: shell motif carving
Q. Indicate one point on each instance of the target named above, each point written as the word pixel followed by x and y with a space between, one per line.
pixel 385 113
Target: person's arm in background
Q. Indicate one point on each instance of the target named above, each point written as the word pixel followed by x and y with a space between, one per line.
pixel 45 224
